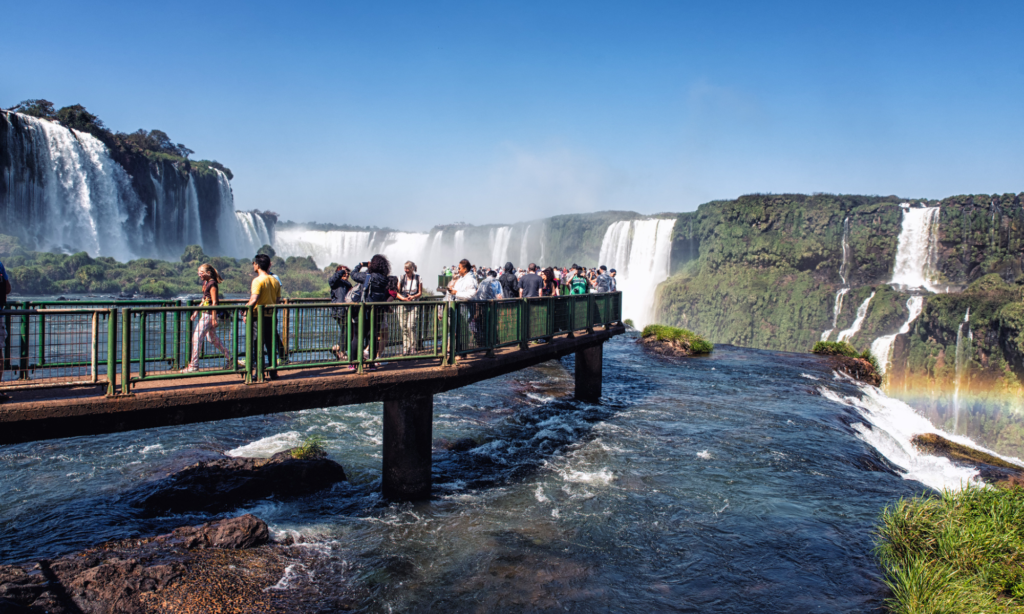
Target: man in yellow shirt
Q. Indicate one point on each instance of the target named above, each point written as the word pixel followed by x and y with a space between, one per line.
pixel 265 290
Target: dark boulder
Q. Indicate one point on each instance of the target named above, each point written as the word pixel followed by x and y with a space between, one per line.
pixel 227 483
pixel 859 369
pixel 244 531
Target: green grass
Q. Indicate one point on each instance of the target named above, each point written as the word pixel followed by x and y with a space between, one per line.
pixel 312 448
pixel 958 552
pixel 698 345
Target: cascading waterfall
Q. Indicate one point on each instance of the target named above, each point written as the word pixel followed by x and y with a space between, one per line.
pixel 460 244
pixel 253 231
pixel 522 248
pixel 640 251
pixel 837 305
pixel 881 348
pixel 917 249
pixel 962 353
pixel 402 246
pixel 862 312
pixel 63 190
pixel 325 247
pixel 499 239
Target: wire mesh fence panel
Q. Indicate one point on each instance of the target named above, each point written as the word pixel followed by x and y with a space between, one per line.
pixel 308 334
pixel 579 311
pixel 508 325
pixel 53 347
pixel 562 314
pixel 538 315
pixel 472 321
pixel 616 307
pixel 419 328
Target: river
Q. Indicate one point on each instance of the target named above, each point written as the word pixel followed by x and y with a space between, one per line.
pixel 739 482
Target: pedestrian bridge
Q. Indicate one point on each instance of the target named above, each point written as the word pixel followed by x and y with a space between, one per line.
pixel 79 368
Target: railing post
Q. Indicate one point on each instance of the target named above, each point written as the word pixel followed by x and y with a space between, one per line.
pixel 111 350
pixel 142 344
pixel 23 349
pixel 524 312
pixel 359 338
pixel 259 342
pixel 285 332
pixel 590 312
pixel 491 330
pixel 250 314
pixel 177 344
pixel 94 357
pixel 41 339
pixel 126 349
pixel 273 337
pixel 234 340
pixel 7 342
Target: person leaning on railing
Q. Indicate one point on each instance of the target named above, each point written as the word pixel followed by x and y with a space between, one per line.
pixel 374 282
pixel 5 289
pixel 265 290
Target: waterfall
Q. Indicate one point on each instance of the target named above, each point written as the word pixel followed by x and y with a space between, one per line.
pixel 352 247
pixel 962 354
pixel 522 249
pixel 499 239
pixel 916 249
pixel 862 312
pixel 254 234
pixel 837 307
pixel 400 247
pixel 881 348
pixel 846 252
pixel 64 190
pixel 460 244
pixel 193 229
pixel 640 251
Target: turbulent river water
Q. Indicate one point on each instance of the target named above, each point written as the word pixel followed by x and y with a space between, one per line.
pixel 748 481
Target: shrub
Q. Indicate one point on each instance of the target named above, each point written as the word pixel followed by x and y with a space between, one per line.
pixel 835 348
pixel 696 343
pixel 312 448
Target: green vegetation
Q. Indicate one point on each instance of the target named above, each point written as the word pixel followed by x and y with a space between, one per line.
pixel 959 552
pixel 629 323
pixel 312 448
pixel 43 273
pixel 843 348
pixel 694 342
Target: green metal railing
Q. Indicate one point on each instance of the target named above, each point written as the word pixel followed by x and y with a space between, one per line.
pixel 120 344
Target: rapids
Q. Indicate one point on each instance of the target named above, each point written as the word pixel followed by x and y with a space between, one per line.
pixel 747 481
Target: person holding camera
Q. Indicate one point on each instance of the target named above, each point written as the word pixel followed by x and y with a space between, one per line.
pixel 340 287
pixel 374 289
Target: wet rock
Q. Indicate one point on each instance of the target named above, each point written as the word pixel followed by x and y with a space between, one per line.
pixel 242 532
pixel 859 369
pixel 990 468
pixel 665 348
pixel 226 483
pixel 193 569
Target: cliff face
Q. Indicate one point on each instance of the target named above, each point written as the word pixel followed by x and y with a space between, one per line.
pixel 763 270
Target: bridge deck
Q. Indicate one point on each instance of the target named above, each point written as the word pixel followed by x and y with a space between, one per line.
pixel 64 412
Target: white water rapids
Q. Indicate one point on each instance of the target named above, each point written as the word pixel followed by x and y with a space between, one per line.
pixel 916 249
pixel 862 313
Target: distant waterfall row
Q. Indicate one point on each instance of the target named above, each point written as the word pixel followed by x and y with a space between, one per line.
pixel 61 189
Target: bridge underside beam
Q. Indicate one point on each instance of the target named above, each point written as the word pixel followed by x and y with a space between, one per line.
pixel 408 437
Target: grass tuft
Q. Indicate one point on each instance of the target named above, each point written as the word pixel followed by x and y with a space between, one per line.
pixel 312 448
pixel 959 552
pixel 697 344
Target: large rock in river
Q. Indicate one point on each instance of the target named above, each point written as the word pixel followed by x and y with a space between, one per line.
pixel 227 483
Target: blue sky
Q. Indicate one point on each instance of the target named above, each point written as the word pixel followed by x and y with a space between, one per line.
pixel 411 114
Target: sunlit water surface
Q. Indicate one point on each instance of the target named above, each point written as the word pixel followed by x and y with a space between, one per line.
pixel 742 482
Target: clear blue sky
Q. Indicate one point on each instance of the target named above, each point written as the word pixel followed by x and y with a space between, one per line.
pixel 411 114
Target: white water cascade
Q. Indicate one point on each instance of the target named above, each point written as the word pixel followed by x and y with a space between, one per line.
pixel 640 251
pixel 962 354
pixel 499 239
pixel 837 305
pixel 253 232
pixel 881 348
pixel 837 308
pixel 460 244
pixel 522 249
pixel 862 312
pixel 916 251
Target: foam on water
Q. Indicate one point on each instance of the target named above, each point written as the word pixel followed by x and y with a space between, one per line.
pixel 268 446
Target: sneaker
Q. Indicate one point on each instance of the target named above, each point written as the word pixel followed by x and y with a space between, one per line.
pixel 229 365
pixel 351 367
pixel 189 369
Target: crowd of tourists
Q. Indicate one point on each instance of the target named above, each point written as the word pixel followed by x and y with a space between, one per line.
pixel 370 282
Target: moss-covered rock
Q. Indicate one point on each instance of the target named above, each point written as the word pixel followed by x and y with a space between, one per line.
pixel 672 341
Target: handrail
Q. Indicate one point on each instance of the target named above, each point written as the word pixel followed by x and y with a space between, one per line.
pixel 59 344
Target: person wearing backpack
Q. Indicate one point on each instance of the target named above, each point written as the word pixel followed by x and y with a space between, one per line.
pixel 578 284
pixel 409 290
pixel 373 289
pixel 509 282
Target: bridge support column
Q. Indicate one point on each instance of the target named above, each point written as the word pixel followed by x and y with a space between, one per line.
pixel 408 437
pixel 588 373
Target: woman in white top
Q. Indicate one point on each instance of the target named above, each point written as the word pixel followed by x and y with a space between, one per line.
pixel 465 286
